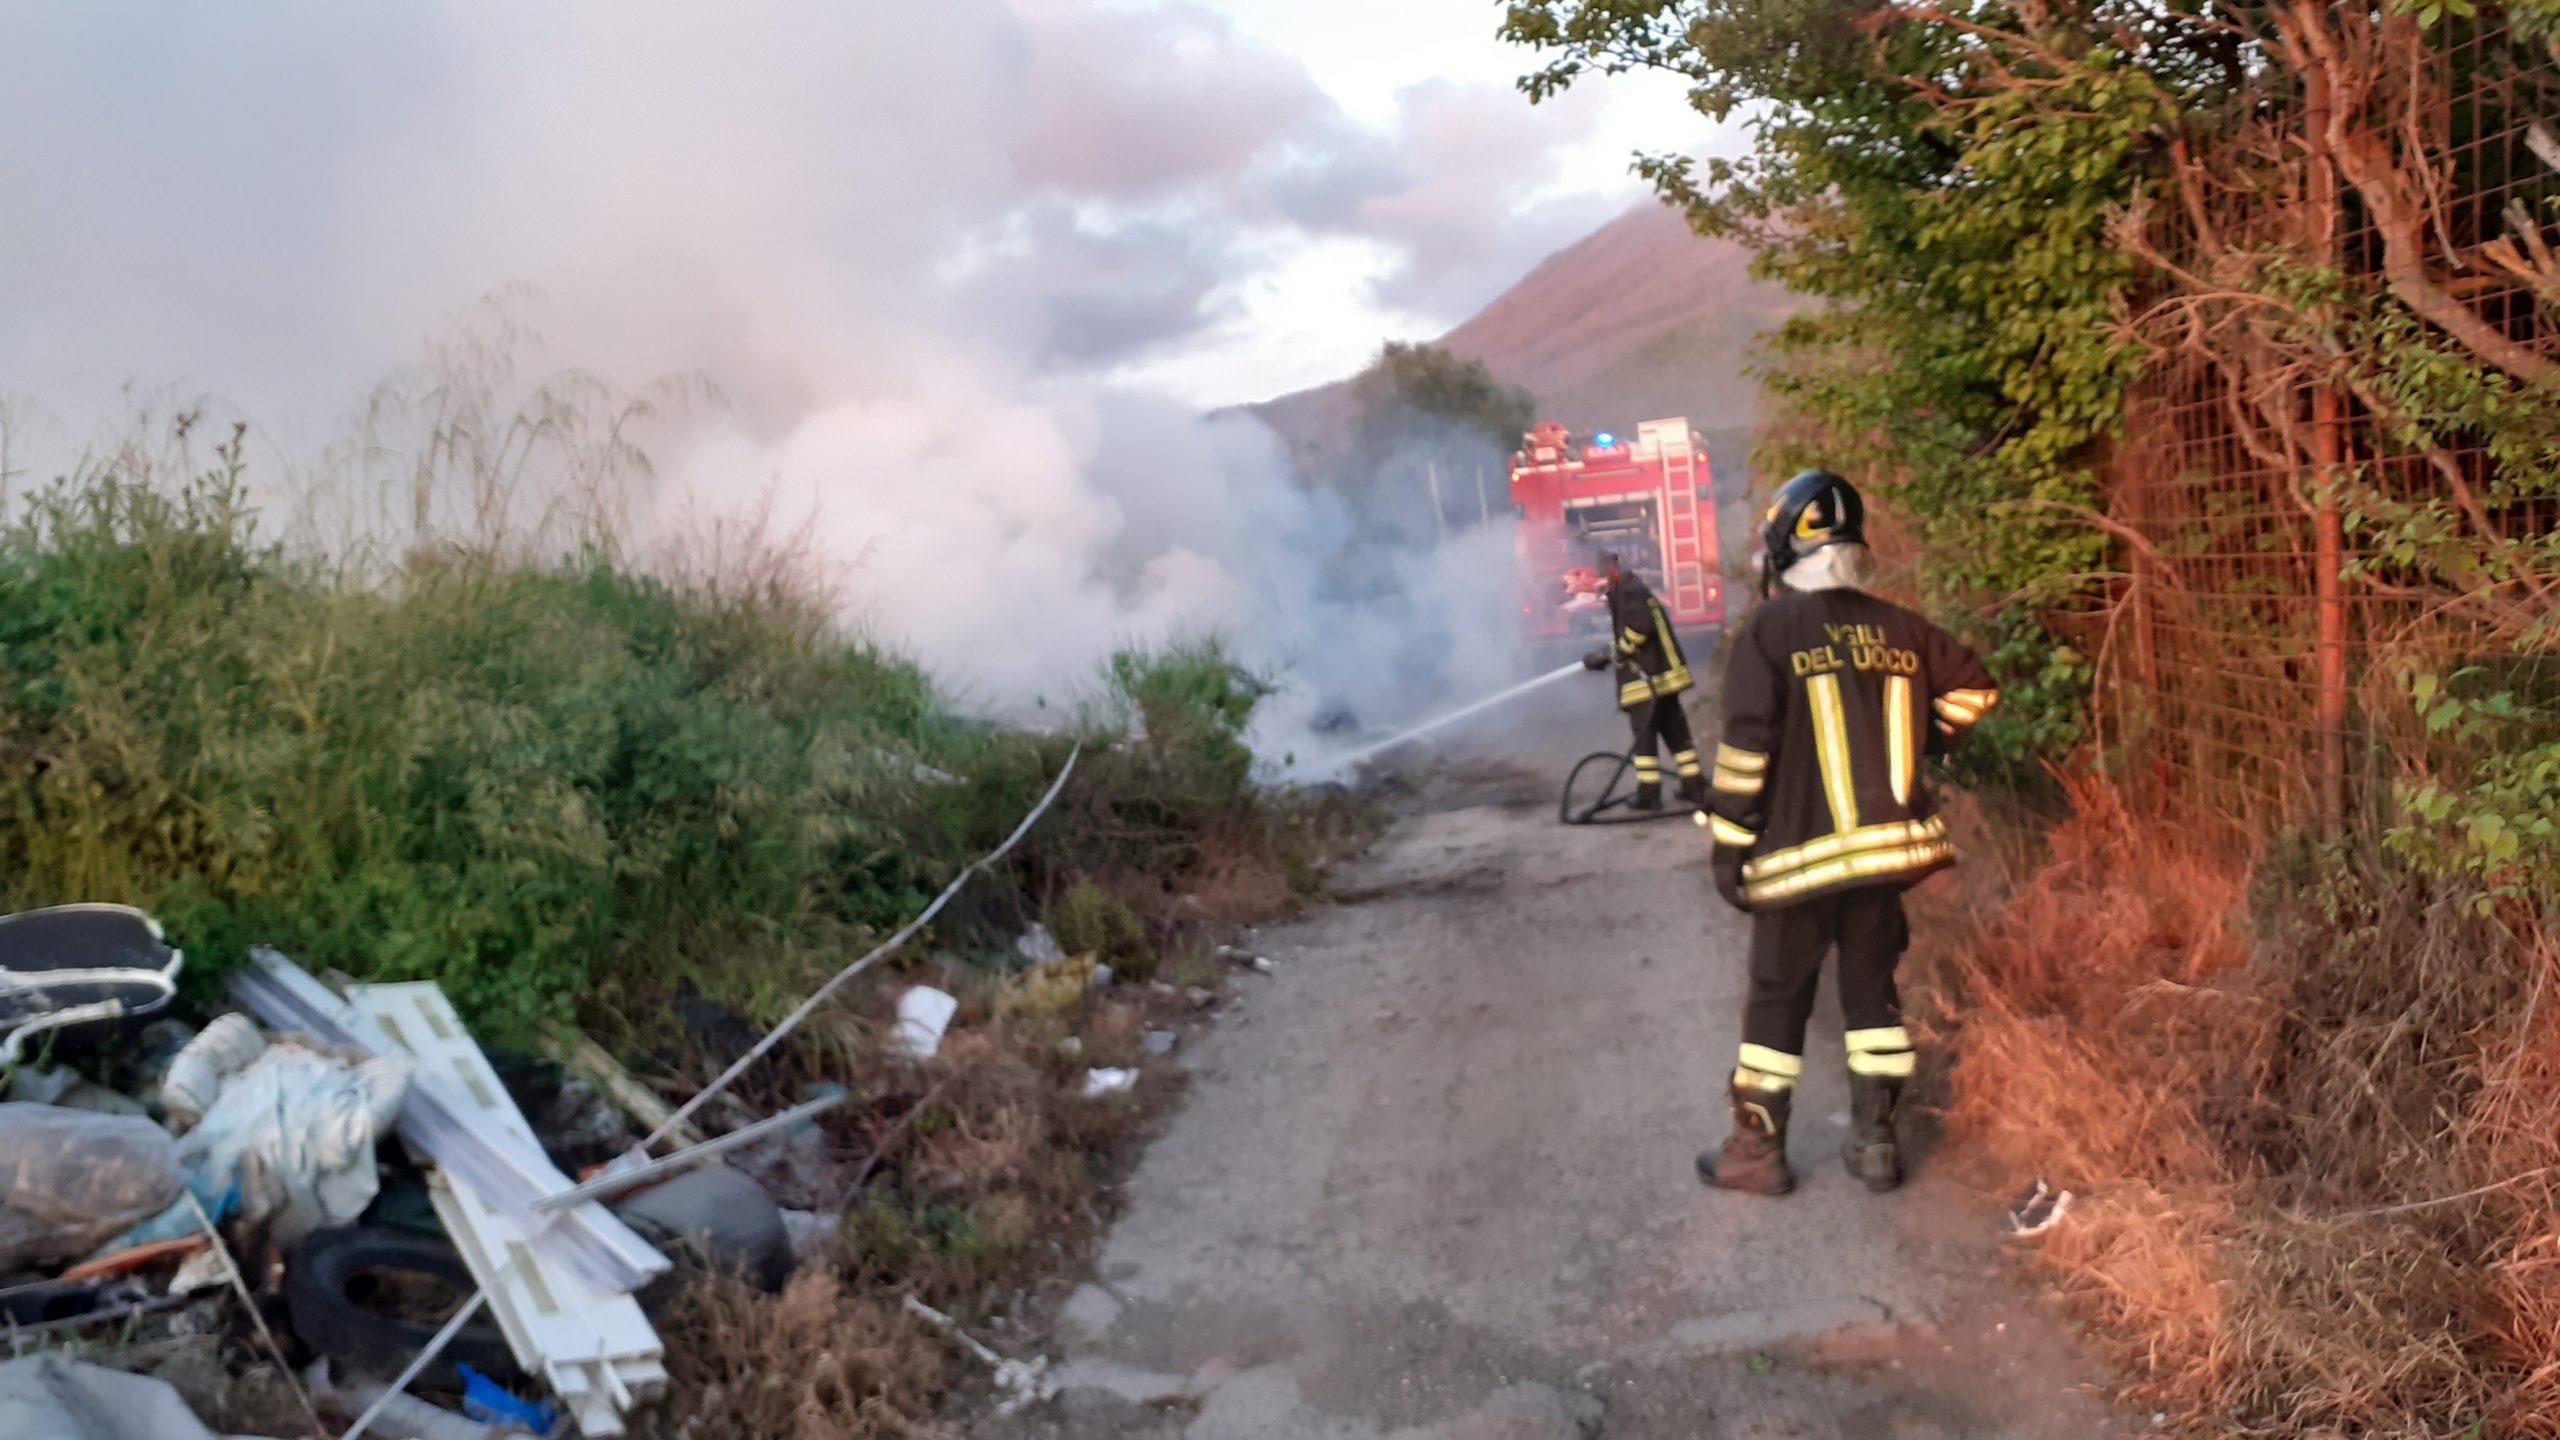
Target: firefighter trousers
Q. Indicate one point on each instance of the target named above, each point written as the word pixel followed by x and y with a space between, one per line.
pixel 1869 931
pixel 1660 724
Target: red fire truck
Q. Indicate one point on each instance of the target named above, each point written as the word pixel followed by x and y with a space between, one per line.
pixel 1651 499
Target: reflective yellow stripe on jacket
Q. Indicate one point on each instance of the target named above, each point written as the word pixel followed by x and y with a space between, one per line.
pixel 1868 852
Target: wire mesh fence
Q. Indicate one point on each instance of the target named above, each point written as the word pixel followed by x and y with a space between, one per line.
pixel 2264 623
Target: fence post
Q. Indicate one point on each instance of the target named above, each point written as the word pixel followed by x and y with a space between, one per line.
pixel 2329 586
pixel 2328 577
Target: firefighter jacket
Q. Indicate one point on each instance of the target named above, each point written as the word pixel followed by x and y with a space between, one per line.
pixel 1650 664
pixel 1831 700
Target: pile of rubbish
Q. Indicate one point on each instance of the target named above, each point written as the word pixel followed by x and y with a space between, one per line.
pixel 341 1167
pixel 344 1165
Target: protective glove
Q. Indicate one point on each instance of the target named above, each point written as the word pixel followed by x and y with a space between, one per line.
pixel 1596 660
pixel 1726 864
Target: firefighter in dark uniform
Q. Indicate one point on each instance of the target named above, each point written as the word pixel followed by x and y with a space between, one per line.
pixel 1651 674
pixel 1821 819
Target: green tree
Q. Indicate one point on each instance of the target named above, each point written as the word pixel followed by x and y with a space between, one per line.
pixel 1409 387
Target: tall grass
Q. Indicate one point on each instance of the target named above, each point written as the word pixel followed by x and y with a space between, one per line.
pixel 558 787
pixel 2312 1108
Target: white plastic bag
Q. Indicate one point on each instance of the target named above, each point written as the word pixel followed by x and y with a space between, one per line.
pixel 70 1179
pixel 296 1130
pixel 923 1014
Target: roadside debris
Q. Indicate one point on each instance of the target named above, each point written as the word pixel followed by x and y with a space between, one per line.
pixel 76 1179
pixel 924 1013
pixel 1098 1083
pixel 642 1104
pixel 463 1260
pixel 812 1233
pixel 561 1287
pixel 53 1397
pixel 73 976
pixel 1025 1382
pixel 1259 964
pixel 294 1135
pixel 2035 1209
pixel 1159 1042
pixel 224 1049
pixel 1038 946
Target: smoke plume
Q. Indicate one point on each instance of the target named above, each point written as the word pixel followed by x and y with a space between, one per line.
pixel 880 261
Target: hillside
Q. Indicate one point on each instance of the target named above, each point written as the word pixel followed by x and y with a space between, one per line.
pixel 1641 319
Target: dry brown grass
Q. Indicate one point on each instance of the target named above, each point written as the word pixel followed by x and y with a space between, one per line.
pixel 964 1182
pixel 817 1362
pixel 2311 1109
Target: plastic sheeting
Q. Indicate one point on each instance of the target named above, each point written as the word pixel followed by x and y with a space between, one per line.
pixel 296 1132
pixel 50 1398
pixel 71 1179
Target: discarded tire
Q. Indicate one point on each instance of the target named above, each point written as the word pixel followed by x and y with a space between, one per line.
pixel 372 1298
pixel 714 1219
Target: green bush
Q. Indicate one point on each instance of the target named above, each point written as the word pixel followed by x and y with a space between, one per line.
pixel 556 789
pixel 1089 920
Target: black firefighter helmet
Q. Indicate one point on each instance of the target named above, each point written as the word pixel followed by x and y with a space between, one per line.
pixel 1814 509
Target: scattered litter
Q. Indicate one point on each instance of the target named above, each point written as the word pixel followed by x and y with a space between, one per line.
pixel 812 1233
pixel 1162 988
pixel 793 1129
pixel 1098 1083
pixel 638 1101
pixel 1101 977
pixel 1159 1042
pixel 1239 956
pixel 1071 1046
pixel 559 1285
pixel 77 975
pixel 205 1270
pixel 1038 946
pixel 76 1179
pixel 64 1087
pixel 31 1086
pixel 491 1403
pixel 1201 998
pixel 296 1131
pixel 135 1257
pixel 924 1013
pixel 718 1220
pixel 49 1397
pixel 2036 1209
pixel 406 1415
pixel 224 1049
pixel 1025 1382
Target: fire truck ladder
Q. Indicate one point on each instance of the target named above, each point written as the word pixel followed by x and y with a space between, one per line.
pixel 1683 556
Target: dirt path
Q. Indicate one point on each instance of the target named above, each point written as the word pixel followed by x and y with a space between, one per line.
pixel 1433 1180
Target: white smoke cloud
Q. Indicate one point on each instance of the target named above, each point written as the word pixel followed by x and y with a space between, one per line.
pixel 890 236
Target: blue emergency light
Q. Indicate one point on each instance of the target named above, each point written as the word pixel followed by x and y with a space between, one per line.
pixel 1604 439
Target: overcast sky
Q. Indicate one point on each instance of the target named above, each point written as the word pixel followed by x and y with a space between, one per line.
pixel 1217 199
pixel 962 273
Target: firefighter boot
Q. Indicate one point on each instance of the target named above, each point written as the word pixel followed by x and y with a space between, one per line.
pixel 1648 795
pixel 1754 1157
pixel 1693 791
pixel 1870 1150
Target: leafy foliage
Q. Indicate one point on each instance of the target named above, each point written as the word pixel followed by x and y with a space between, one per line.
pixel 1957 222
pixel 558 790
pixel 1408 381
